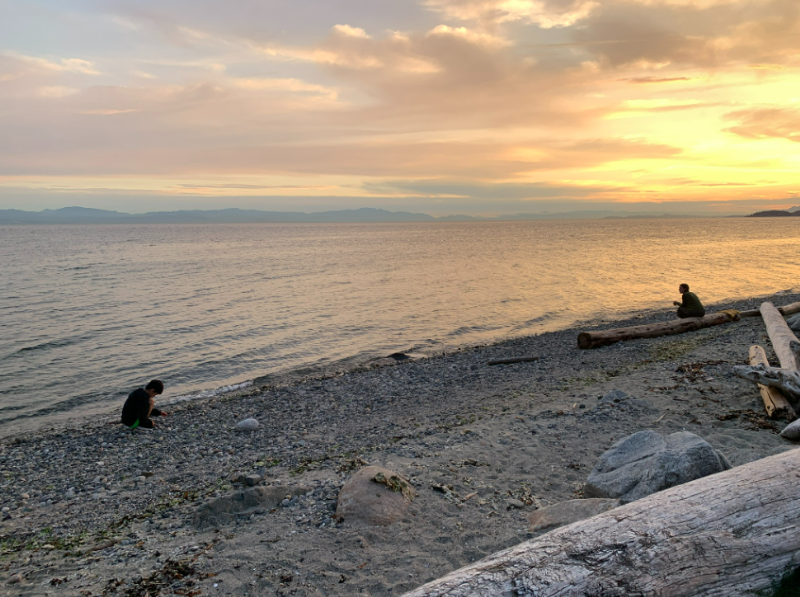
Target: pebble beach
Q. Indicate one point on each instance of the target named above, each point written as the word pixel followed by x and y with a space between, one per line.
pixel 89 508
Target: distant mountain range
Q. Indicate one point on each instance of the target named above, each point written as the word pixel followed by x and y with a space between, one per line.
pixel 85 215
pixel 777 213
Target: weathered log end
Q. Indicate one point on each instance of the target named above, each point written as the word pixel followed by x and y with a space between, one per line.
pixel 788 381
pixel 787 310
pixel 775 402
pixel 584 340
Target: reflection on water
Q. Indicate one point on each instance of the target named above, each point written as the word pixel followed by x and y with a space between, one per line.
pixel 90 312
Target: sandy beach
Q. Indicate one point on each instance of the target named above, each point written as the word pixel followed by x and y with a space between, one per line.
pixel 93 509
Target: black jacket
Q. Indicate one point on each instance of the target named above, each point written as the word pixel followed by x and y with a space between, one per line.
pixel 135 409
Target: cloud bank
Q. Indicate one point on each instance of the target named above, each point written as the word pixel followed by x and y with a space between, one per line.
pixel 503 102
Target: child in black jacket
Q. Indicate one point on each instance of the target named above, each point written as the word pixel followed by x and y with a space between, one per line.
pixel 140 406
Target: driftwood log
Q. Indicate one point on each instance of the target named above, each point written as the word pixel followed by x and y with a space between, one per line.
pixel 787 349
pixel 653 330
pixel 727 534
pixel 775 403
pixel 786 310
pixel 512 360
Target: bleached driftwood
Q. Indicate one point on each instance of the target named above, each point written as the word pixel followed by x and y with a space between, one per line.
pixel 775 403
pixel 786 346
pixel 786 310
pixel 726 534
pixel 789 309
pixel 653 330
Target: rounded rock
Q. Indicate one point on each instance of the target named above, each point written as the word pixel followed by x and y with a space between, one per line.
pixel 247 425
pixel 792 431
pixel 375 496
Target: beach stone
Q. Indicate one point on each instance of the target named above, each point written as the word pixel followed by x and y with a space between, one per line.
pixel 363 500
pixel 645 462
pixel 238 478
pixel 515 504
pixel 247 425
pixel 623 400
pixel 252 480
pixel 224 510
pixel 792 431
pixel 564 513
pixel 15 579
pixel 613 397
pixel 794 323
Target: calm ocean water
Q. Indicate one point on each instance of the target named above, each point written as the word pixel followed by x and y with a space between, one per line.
pixel 88 313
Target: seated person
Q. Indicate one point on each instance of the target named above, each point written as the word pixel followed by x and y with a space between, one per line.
pixel 691 305
pixel 140 406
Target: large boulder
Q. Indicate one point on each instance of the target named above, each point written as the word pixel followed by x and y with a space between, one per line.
pixel 792 431
pixel 564 513
pixel 225 509
pixel 374 496
pixel 645 462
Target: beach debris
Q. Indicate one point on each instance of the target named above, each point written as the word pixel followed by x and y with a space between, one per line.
pixel 225 509
pixel 720 535
pixel 775 402
pixel 794 323
pixel 792 431
pixel 395 483
pixel 247 425
pixel 654 330
pixel 447 490
pixel 511 361
pixel 351 465
pixel 645 462
pixel 787 349
pixel 365 499
pixel 564 513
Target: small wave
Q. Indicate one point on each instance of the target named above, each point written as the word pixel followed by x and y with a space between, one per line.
pixel 471 329
pixel 209 393
pixel 46 345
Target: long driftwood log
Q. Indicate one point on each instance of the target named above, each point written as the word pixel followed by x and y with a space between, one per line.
pixel 787 349
pixel 727 534
pixel 653 330
pixel 775 403
pixel 786 310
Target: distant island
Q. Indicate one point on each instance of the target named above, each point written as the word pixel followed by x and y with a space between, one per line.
pixel 85 215
pixel 777 213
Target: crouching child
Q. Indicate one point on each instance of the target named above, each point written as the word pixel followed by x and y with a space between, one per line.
pixel 140 406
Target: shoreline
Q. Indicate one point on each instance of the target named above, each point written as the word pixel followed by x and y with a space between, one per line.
pixel 66 419
pixel 528 432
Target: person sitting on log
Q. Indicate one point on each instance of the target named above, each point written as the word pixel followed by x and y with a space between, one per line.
pixel 691 305
pixel 140 406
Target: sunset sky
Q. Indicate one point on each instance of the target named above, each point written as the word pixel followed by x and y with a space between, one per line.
pixel 440 106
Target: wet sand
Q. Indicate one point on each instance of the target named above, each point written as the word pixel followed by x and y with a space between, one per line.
pixel 93 509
